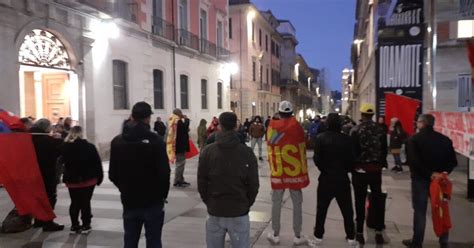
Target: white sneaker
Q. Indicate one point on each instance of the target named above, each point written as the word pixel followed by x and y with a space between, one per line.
pixel 353 243
pixel 302 240
pixel 315 242
pixel 274 240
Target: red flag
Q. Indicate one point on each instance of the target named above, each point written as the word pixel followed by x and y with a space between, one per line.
pixel 13 122
pixel 403 108
pixel 287 154
pixel 193 151
pixel 21 177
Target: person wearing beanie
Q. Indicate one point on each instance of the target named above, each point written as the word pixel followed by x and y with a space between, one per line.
pixel 228 197
pixel 334 157
pixel 139 169
pixel 288 172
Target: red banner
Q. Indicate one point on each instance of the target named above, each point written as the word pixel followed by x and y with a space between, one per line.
pixel 287 154
pixel 21 177
pixel 404 109
pixel 459 127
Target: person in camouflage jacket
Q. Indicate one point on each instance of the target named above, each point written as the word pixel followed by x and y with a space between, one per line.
pixel 370 148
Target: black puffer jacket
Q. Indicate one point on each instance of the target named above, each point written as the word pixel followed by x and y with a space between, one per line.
pixel 228 176
pixel 429 151
pixel 139 166
pixel 81 162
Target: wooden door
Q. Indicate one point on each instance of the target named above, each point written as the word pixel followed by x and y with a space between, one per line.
pixel 55 97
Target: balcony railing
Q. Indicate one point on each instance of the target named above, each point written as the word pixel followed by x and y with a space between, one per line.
pixel 208 47
pixel 187 39
pixel 163 28
pixel 222 52
pixel 264 87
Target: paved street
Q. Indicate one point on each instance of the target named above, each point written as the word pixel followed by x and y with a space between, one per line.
pixel 186 216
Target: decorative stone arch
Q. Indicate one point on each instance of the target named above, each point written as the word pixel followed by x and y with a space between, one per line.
pixel 61 32
pixel 42 48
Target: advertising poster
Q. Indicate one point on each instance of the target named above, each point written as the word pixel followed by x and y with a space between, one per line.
pixel 400 52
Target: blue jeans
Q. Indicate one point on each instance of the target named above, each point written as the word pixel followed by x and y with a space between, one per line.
pixel 238 229
pixel 398 159
pixel 420 189
pixel 133 221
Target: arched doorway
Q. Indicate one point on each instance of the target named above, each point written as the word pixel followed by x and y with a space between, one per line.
pixel 48 86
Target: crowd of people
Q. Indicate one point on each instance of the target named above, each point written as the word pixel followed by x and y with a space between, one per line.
pixel 346 154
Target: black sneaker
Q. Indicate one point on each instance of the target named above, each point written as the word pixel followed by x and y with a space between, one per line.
pixel 52 227
pixel 185 184
pixel 38 224
pixel 86 229
pixel 75 229
pixel 379 239
pixel 444 245
pixel 394 169
pixel 360 238
pixel 409 243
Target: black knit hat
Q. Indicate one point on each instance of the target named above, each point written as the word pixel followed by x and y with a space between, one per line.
pixel 141 110
pixel 228 120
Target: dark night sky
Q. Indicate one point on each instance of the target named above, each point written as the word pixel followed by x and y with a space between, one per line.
pixel 324 29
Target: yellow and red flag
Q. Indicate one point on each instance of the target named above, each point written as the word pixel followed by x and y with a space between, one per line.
pixel 287 154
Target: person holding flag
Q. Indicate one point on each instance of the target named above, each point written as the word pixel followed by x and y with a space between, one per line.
pixel 289 169
pixel 20 173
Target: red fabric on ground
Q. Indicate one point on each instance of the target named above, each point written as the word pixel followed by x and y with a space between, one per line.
pixel 21 176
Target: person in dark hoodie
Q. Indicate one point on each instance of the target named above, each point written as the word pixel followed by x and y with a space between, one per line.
pixel 228 184
pixel 82 172
pixel 139 168
pixel 334 157
pixel 47 150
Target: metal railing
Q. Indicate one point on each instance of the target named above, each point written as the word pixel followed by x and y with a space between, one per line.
pixel 222 52
pixel 264 87
pixel 187 39
pixel 163 28
pixel 208 47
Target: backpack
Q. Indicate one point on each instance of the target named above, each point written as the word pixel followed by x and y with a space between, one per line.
pixel 15 223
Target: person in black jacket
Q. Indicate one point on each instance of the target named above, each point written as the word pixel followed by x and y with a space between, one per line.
pixel 82 172
pixel 182 147
pixel 334 157
pixel 47 153
pixel 429 153
pixel 398 137
pixel 160 127
pixel 139 168
pixel 228 184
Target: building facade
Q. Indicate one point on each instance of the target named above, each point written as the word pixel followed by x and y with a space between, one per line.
pixel 92 60
pixel 347 92
pixel 255 48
